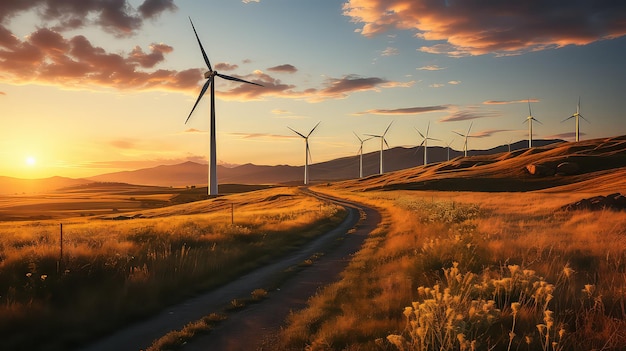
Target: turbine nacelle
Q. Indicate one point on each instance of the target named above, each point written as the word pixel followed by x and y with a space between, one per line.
pixel 209 74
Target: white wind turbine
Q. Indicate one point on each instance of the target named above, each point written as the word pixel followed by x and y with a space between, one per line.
pixel 383 142
pixel 425 142
pixel 361 153
pixel 530 120
pixel 448 147
pixel 465 136
pixel 576 116
pixel 307 151
pixel 210 76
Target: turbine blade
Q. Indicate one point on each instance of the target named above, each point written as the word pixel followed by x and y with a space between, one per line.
pixel 468 129
pixel 570 117
pixel 360 149
pixel 295 131
pixel 386 130
pixel 368 139
pixel 373 136
pixel 361 140
pixel 204 88
pixel 459 134
pixel 237 79
pixel 385 140
pixel 428 129
pixel 536 120
pixel 206 58
pixel 581 116
pixel 308 151
pixel 530 113
pixel 420 133
pixel 311 132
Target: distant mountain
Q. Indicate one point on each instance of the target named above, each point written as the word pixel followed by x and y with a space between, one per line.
pixel 191 173
pixel 9 185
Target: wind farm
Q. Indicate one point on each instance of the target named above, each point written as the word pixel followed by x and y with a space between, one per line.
pixel 124 227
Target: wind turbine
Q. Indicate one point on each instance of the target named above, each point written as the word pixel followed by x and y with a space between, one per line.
pixel 210 77
pixel 383 142
pixel 576 116
pixel 448 147
pixel 360 152
pixel 425 142
pixel 465 136
pixel 530 120
pixel 307 151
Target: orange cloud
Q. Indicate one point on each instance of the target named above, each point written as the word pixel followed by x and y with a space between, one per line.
pixel 469 113
pixel 286 68
pixel 404 111
pixel 499 27
pixel 506 102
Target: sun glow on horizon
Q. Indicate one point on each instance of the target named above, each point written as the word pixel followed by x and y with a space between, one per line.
pixel 30 161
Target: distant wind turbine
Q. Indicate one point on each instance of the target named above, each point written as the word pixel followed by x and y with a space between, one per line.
pixel 576 116
pixel 383 142
pixel 425 142
pixel 307 151
pixel 448 147
pixel 210 76
pixel 530 120
pixel 465 136
pixel 361 153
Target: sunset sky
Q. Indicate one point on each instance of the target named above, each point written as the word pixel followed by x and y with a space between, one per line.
pixel 96 86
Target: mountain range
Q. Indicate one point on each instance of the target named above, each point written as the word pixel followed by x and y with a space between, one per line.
pixel 196 174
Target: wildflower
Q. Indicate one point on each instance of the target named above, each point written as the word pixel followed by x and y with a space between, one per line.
pixel 515 307
pixel 29 274
pixel 44 277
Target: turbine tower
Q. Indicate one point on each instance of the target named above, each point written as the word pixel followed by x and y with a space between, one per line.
pixel 360 152
pixel 576 116
pixel 307 151
pixel 383 142
pixel 425 142
pixel 210 77
pixel 465 136
pixel 530 120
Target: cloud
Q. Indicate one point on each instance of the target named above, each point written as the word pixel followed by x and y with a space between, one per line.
pixel 116 17
pixel 277 111
pixel 2 93
pixel 283 68
pixel 389 51
pixel 431 68
pixel 250 1
pixel 46 57
pixel 488 133
pixel 565 136
pixel 225 66
pixel 468 114
pixel 262 136
pixel 194 130
pixel 454 82
pixel 506 102
pixel 437 85
pixel 404 111
pixel 461 28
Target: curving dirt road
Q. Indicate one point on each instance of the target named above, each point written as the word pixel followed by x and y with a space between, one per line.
pixel 250 328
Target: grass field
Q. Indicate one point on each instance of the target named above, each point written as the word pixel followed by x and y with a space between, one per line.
pixel 475 271
pixel 112 272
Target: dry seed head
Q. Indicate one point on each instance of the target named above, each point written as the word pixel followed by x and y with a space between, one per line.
pixel 568 271
pixel 515 307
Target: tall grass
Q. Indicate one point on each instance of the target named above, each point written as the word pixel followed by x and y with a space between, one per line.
pixel 115 271
pixel 477 272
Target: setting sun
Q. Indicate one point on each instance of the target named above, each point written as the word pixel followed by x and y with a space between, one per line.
pixel 30 161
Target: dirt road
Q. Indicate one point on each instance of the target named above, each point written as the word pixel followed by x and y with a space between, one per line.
pixel 249 328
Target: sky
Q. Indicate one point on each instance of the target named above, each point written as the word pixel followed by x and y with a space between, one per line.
pixel 96 86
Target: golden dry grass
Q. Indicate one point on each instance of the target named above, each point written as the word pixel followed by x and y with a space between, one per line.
pixel 485 234
pixel 114 271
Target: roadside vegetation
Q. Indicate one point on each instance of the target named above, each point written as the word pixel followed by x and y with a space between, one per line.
pixel 474 271
pixel 112 272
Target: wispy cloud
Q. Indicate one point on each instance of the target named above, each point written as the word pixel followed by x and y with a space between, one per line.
pixel 437 85
pixel 502 28
pixel 2 93
pixel 431 68
pixel 454 82
pixel 263 136
pixel 250 1
pixel 468 114
pixel 286 68
pixel 194 130
pixel 488 133
pixel 506 102
pixel 566 136
pixel 404 111
pixel 389 51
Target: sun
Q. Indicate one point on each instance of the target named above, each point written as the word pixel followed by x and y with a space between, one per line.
pixel 30 161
